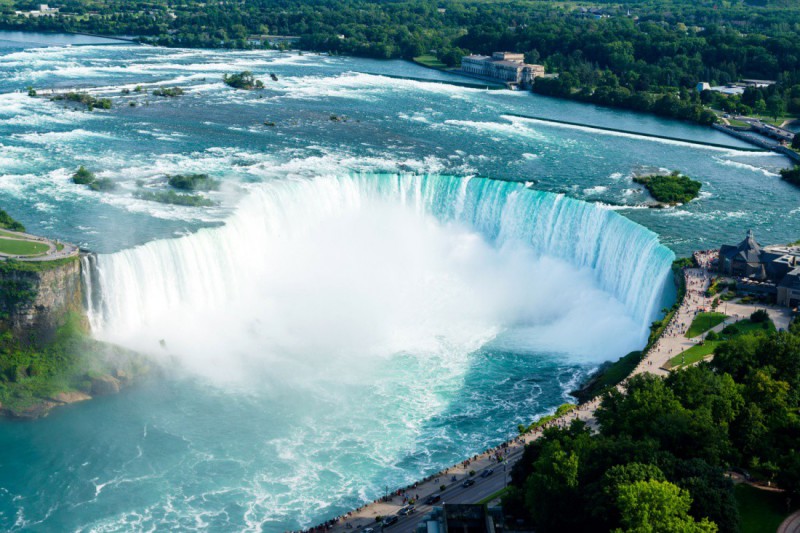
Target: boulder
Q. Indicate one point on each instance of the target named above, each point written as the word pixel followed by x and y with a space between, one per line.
pixel 70 397
pixel 104 385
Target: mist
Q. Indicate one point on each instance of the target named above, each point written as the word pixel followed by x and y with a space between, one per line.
pixel 326 281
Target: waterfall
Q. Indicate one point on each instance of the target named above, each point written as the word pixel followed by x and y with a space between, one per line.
pixel 212 266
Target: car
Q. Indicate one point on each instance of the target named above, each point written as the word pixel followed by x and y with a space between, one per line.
pixel 744 473
pixel 368 530
pixel 389 520
pixel 468 483
pixel 488 472
pixel 433 498
pixel 405 511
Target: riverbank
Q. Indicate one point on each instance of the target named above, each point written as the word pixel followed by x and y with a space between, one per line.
pixel 490 470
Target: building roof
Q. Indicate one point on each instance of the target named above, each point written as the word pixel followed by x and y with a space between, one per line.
pixel 791 280
pixel 505 63
pixel 477 57
pixel 748 250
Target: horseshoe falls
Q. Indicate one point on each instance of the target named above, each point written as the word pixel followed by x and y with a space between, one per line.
pixel 478 232
pixel 362 306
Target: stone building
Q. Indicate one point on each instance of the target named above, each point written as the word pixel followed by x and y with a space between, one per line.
pixel 775 266
pixel 503 66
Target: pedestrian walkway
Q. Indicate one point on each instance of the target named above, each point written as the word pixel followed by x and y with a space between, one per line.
pixel 27 247
pixel 672 342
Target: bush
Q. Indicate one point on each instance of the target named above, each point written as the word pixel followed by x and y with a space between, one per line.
pixel 9 223
pixel 730 329
pixel 83 176
pixel 442 488
pixel 712 336
pixel 759 316
pixel 471 472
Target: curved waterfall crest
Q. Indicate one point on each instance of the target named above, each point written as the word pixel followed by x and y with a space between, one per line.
pixel 207 268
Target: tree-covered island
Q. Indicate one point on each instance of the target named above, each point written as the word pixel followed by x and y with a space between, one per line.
pixel 670 189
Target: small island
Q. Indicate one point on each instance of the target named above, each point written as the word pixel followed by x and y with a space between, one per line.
pixel 169 92
pixel 174 198
pixel 243 80
pixel 86 177
pixel 86 99
pixel 193 182
pixel 791 175
pixel 671 189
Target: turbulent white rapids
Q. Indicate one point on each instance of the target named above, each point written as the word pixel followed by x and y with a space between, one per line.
pixel 382 264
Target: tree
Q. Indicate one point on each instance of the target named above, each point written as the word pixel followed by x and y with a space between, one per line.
pixel 658 507
pixel 775 106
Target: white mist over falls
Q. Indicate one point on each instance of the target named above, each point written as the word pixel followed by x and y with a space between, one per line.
pixel 323 280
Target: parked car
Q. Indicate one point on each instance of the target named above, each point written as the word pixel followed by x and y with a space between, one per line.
pixel 368 530
pixel 433 498
pixel 468 483
pixel 405 511
pixel 744 473
pixel 488 472
pixel 389 520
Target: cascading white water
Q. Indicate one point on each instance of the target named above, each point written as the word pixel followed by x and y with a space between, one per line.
pixel 549 252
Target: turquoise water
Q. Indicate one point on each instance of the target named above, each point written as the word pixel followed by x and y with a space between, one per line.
pixel 360 309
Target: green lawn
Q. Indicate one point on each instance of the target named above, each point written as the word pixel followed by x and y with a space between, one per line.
pixel 13 247
pixel 693 354
pixel 701 351
pixel 704 322
pixel 430 61
pixel 760 510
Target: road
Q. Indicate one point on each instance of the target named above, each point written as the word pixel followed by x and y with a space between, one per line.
pixel 483 488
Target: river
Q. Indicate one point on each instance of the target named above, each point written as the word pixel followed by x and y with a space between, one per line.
pixel 364 304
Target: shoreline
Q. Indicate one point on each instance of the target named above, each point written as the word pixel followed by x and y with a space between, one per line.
pixel 499 460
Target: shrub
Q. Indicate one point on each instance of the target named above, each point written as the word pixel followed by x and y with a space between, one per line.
pixel 759 316
pixel 730 329
pixel 9 223
pixel 442 488
pixel 83 176
pixel 712 336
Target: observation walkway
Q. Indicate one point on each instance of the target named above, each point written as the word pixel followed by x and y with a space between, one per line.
pixel 21 246
pixel 490 470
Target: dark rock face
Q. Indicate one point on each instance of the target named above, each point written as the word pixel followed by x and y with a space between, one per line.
pixel 33 305
pixel 104 385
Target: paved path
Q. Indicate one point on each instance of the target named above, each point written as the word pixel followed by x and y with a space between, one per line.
pixel 672 342
pixel 52 253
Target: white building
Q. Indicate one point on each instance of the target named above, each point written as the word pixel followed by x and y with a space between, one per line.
pixel 43 11
pixel 504 66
